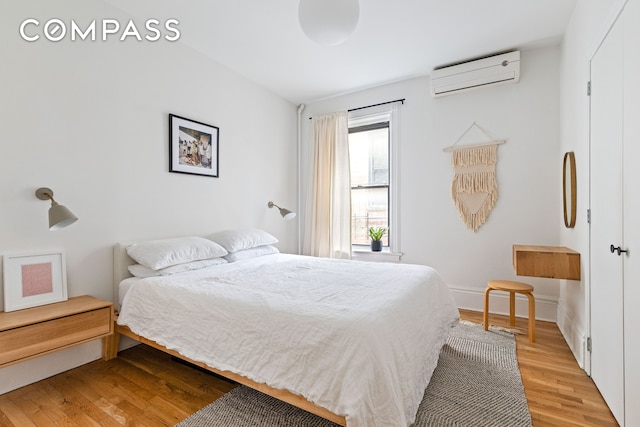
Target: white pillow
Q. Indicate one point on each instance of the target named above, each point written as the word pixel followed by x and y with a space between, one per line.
pixel 251 253
pixel 157 254
pixel 237 240
pixel 139 270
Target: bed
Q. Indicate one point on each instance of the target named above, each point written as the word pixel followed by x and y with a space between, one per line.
pixel 353 342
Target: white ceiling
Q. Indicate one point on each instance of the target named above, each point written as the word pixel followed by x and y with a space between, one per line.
pixel 394 39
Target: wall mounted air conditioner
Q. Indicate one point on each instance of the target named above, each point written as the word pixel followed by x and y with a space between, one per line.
pixel 490 71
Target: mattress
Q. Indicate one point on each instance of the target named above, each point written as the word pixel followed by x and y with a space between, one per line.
pixel 124 287
pixel 359 339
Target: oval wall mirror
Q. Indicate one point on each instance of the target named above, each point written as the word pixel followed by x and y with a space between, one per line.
pixel 569 189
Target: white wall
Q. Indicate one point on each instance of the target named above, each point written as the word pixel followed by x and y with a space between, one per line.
pixel 90 120
pixel 585 30
pixel 529 168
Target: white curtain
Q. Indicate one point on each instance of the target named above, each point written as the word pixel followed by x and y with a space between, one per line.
pixel 328 209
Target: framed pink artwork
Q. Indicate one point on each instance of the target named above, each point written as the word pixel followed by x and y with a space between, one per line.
pixel 33 279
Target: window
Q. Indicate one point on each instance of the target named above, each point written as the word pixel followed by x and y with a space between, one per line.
pixel 373 149
pixel 369 156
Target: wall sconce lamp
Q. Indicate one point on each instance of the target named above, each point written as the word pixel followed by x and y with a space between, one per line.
pixel 286 213
pixel 59 216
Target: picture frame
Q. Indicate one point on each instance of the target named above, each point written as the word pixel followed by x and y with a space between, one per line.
pixel 34 279
pixel 193 147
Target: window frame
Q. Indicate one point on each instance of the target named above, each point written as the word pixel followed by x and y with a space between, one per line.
pixel 369 116
pixel 378 125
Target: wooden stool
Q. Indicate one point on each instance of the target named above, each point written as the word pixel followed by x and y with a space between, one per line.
pixel 512 288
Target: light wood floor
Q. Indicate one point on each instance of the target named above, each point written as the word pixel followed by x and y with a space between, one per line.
pixel 144 387
pixel 559 393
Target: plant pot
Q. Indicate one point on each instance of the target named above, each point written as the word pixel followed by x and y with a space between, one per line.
pixel 376 245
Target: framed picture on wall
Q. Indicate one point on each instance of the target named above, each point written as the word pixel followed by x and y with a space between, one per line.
pixel 193 147
pixel 34 279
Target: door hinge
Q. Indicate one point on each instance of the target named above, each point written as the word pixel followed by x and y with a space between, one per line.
pixel 588 216
pixel 589 88
pixel 589 344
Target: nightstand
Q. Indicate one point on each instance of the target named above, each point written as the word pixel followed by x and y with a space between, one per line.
pixel 33 332
pixel 554 262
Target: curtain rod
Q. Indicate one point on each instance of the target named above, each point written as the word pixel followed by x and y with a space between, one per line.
pixel 374 105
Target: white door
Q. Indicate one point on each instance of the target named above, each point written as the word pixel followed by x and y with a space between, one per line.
pixel 607 359
pixel 631 217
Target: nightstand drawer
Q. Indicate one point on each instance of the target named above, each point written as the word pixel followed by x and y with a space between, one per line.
pixel 47 335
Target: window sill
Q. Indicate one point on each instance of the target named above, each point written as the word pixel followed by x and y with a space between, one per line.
pixel 383 256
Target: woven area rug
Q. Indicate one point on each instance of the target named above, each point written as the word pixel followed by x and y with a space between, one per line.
pixel 476 383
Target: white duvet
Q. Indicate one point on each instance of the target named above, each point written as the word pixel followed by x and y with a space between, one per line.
pixel 360 339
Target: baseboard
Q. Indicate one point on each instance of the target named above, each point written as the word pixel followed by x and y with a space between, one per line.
pixel 126 342
pixel 473 299
pixel 576 339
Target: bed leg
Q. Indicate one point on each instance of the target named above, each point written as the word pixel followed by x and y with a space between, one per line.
pixel 110 346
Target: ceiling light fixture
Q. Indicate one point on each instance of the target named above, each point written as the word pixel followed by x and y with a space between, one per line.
pixel 328 22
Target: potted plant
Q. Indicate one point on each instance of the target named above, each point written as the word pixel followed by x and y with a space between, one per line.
pixel 376 234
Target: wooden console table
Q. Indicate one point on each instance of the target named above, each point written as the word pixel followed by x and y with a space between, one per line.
pixel 555 262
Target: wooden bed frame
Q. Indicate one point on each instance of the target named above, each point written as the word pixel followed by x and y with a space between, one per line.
pixel 110 347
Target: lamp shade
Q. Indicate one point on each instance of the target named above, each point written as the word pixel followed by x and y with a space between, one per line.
pixel 328 22
pixel 287 214
pixel 60 216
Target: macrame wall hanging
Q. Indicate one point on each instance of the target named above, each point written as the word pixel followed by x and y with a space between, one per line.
pixel 474 188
